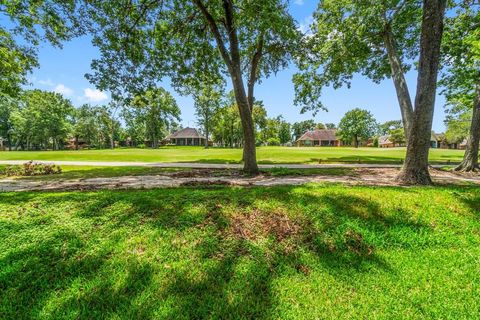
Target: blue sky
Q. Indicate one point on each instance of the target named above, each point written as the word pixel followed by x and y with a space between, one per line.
pixel 63 70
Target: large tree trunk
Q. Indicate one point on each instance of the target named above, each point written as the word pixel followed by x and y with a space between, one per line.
pixel 470 159
pixel 249 150
pixel 398 77
pixel 415 169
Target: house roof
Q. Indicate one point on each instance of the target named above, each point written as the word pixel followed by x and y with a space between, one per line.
pixel 384 140
pixel 185 133
pixel 319 134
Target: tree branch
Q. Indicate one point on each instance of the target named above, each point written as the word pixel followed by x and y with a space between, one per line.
pixel 216 32
pixel 254 69
pixel 232 32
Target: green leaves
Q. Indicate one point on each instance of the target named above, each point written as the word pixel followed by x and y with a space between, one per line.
pixel 346 39
pixel 153 111
pixel 461 58
pixel 32 23
pixel 152 40
pixel 357 124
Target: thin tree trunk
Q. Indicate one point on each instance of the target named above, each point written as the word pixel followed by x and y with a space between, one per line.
pixel 9 137
pixel 398 77
pixel 206 137
pixel 470 159
pixel 415 169
pixel 112 141
pixel 356 141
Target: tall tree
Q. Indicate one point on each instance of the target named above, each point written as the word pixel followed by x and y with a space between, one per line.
pixel 89 125
pixel 8 105
pixel 376 38
pixel 207 103
pixel 415 168
pixel 142 42
pixel 43 121
pixel 461 76
pixel 156 108
pixel 284 132
pixel 357 125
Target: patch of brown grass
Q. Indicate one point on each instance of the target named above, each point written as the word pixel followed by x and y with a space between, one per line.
pixel 355 243
pixel 258 223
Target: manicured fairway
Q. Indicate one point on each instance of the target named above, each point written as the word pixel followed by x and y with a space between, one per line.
pixel 311 252
pixel 224 155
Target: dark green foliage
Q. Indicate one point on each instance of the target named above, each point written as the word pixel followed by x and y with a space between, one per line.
pixel 357 125
pixel 347 37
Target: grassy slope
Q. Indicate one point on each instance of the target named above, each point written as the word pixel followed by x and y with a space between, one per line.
pixel 284 252
pixel 219 155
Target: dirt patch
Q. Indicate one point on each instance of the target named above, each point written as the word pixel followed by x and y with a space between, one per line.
pixel 355 243
pixel 202 173
pixel 206 178
pixel 258 223
pixel 205 183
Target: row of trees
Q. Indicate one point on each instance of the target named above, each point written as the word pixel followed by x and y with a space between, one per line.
pixel 198 43
pixel 46 120
pixel 37 119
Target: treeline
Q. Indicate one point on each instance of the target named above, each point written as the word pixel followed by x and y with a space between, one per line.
pixel 197 43
pixel 41 120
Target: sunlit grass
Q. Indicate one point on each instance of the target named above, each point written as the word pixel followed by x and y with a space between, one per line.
pixel 317 251
pixel 225 155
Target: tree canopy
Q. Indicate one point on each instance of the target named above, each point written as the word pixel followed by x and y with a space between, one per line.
pixel 357 125
pixel 190 41
pixel 31 22
pixel 378 39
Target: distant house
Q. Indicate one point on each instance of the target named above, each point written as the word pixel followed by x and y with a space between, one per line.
pixel 436 140
pixel 75 144
pixel 319 138
pixel 186 137
pixel 384 142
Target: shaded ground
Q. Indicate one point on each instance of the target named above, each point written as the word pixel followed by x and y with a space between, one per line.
pixel 205 177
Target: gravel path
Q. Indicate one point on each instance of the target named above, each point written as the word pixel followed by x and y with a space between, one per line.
pixel 377 177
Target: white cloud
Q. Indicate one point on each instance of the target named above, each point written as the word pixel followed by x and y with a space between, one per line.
pixel 305 25
pixel 47 82
pixel 95 95
pixel 298 2
pixel 62 89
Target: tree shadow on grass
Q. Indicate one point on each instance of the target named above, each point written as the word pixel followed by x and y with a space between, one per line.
pixel 229 271
pixel 31 274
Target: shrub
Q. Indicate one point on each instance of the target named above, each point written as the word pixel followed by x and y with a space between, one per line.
pixel 273 142
pixel 32 169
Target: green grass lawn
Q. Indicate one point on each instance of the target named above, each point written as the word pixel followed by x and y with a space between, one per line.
pixel 225 155
pixel 316 251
